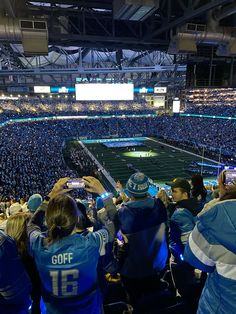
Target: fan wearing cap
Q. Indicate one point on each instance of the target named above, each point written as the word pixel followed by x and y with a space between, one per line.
pixel 184 217
pixel 34 202
pixel 182 223
pixel 143 221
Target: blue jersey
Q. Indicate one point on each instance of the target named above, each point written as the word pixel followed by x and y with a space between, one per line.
pixel 68 271
pixel 15 285
pixel 212 249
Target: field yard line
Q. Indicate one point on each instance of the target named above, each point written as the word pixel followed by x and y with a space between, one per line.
pixel 182 150
pixel 103 170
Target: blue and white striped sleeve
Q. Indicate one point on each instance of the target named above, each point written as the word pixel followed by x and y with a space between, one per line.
pixel 198 249
pixel 102 238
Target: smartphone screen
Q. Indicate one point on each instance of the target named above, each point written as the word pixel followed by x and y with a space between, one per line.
pixel 75 184
pixel 119 238
pixel 230 176
pixel 153 189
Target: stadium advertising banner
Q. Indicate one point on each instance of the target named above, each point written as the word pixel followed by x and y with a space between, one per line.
pixel 160 90
pixel 42 89
pixel 143 90
pixel 89 92
pixel 62 89
pixel 18 89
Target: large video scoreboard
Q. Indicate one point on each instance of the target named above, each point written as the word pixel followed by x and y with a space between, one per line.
pixel 96 92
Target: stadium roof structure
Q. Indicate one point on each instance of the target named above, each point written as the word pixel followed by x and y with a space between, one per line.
pixel 54 41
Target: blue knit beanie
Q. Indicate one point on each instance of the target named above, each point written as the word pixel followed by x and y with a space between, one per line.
pixel 34 202
pixel 137 185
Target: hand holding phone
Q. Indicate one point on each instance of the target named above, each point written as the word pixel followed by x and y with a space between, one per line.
pixel 75 184
pixel 59 187
pixel 230 176
pixel 93 185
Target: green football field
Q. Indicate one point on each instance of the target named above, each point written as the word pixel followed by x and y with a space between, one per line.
pixel 159 162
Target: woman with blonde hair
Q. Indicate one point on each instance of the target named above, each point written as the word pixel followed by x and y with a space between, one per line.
pixel 17 229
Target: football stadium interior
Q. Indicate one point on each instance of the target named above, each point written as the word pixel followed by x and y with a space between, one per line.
pixel 117 148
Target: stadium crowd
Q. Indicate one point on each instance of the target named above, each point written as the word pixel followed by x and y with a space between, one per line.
pixel 79 158
pixel 85 250
pixel 28 158
pixel 111 253
pixel 35 107
pixel 213 110
pixel 214 135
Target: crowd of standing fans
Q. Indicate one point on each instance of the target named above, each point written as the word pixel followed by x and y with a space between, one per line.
pixel 144 254
pixel 105 253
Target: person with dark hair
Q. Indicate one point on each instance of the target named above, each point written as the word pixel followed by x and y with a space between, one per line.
pixel 15 285
pixel 183 218
pixel 17 229
pixel 199 191
pixel 182 223
pixel 67 259
pixel 212 249
pixel 84 221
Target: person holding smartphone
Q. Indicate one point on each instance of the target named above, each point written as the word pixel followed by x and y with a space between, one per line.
pixel 142 221
pixel 212 248
pixel 66 259
pixel 226 188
